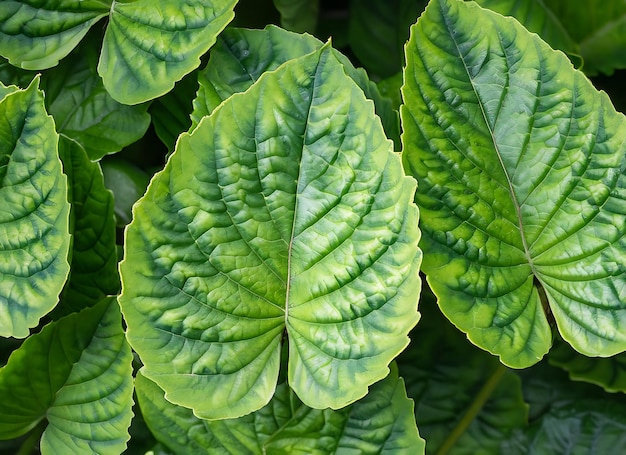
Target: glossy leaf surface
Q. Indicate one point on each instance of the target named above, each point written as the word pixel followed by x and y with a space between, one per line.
pixel 284 212
pixel 76 373
pixel 241 56
pixel 151 44
pixel 36 34
pixel 380 423
pixel 520 163
pixel 34 212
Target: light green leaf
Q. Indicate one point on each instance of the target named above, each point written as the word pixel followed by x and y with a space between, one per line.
pixel 381 423
pixel 522 186
pixel 595 29
pixel 34 212
pixel 36 34
pixel 466 402
pixel 77 374
pixel 609 373
pixel 241 56
pixel 284 212
pixel 151 44
pixel 93 273
pixel 378 31
pixel 298 15
pixel 84 111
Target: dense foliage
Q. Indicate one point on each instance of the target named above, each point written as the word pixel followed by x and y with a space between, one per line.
pixel 312 227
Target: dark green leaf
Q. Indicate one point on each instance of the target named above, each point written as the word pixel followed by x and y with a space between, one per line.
pixel 298 15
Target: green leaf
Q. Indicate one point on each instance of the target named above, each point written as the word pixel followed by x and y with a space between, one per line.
pixel 538 17
pixel 380 423
pixel 241 56
pixel 77 374
pixel 84 110
pixel 34 212
pixel 522 186
pixel 284 211
pixel 93 273
pixel 127 182
pixel 609 373
pixel 298 15
pixel 595 29
pixel 10 75
pixel 151 44
pixel 569 417
pixel 378 31
pixel 36 34
pixel 466 402
pixel 171 113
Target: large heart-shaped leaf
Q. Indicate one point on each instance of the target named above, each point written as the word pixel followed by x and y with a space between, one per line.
pixel 522 186
pixel 381 423
pixel 151 44
pixel 77 374
pixel 36 34
pixel 34 212
pixel 285 212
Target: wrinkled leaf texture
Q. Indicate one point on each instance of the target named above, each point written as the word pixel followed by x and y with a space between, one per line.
pixel 285 212
pixel 380 423
pixel 34 212
pixel 520 163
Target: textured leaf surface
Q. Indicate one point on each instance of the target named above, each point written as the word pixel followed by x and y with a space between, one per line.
pixel 381 423
pixel 609 373
pixel 241 56
pixel 522 186
pixel 84 111
pixel 466 402
pixel 285 210
pixel 151 44
pixel 77 374
pixel 34 212
pixel 93 273
pixel 36 34
pixel 298 15
pixel 595 29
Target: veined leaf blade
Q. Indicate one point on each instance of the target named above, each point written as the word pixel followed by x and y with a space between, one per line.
pixel 522 185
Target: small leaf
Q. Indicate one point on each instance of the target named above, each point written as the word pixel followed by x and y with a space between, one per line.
pixel 77 374
pixel 285 211
pixel 149 45
pixel 35 35
pixel 93 273
pixel 466 402
pixel 84 111
pixel 298 15
pixel 34 213
pixel 241 56
pixel 380 423
pixel 522 186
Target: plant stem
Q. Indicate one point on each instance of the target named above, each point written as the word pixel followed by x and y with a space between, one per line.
pixel 30 443
pixel 483 395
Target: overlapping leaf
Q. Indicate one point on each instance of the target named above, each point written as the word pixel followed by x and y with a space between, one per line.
pixel 522 186
pixel 381 423
pixel 37 34
pixel 76 373
pixel 241 56
pixel 595 29
pixel 298 15
pixel 34 212
pixel 284 213
pixel 93 273
pixel 149 45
